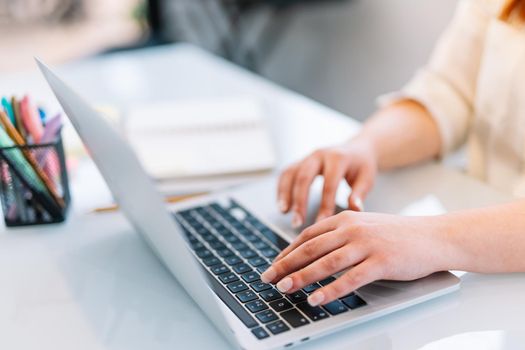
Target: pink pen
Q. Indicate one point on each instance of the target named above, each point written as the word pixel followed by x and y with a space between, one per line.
pixel 31 120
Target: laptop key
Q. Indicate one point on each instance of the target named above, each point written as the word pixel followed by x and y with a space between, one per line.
pixel 203 253
pixel 242 230
pixel 247 253
pixel 263 268
pixel 246 296
pixel 236 287
pixel 296 297
pixel 242 268
pixel 223 253
pixel 211 261
pixel 294 318
pixel 260 333
pixel 230 238
pixel 252 238
pixel 353 301
pixel 270 295
pixel 277 240
pixel 228 277
pixel 208 237
pixel 266 316
pixel 239 246
pixel 260 286
pixel 250 277
pixel 258 261
pixel 277 327
pixel 233 260
pixel 315 313
pixel 311 287
pixel 256 305
pixel 327 281
pixel 281 305
pixel 201 230
pixel 261 245
pixel 269 253
pixel 191 238
pixel 196 245
pixel 335 307
pixel 219 269
pixel 218 245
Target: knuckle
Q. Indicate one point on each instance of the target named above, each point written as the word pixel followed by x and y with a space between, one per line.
pixel 338 289
pixel 318 153
pixel 288 172
pixel 354 278
pixel 302 178
pixel 330 186
pixel 332 263
pixel 281 267
pixel 309 248
pixel 305 235
pixel 346 215
pixel 384 265
pixel 358 231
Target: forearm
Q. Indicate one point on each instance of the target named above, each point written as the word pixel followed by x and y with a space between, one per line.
pixel 485 240
pixel 401 134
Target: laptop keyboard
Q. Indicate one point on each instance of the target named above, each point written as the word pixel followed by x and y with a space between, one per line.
pixel 235 248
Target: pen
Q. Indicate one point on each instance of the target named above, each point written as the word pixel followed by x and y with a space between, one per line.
pixel 31 120
pixel 9 110
pixel 168 199
pixel 18 117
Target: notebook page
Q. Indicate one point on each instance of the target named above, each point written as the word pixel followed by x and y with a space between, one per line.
pixel 201 138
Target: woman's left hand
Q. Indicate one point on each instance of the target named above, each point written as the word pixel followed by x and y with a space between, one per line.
pixel 374 246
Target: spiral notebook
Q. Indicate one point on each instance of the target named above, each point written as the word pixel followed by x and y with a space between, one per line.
pixel 201 138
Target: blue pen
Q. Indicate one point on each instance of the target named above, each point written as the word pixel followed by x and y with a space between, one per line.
pixel 9 110
pixel 42 114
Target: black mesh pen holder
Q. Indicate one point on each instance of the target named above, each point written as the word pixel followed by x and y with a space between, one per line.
pixel 34 186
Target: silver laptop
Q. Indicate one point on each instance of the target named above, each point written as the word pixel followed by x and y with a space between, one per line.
pixel 217 248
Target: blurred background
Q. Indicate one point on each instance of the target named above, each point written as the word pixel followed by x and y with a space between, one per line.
pixel 342 53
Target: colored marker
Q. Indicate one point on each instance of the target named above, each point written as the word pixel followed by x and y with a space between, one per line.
pixel 9 110
pixel 31 120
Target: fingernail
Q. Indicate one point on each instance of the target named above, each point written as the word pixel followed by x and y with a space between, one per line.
pixel 268 275
pixel 316 298
pixel 284 285
pixel 297 221
pixel 359 203
pixel 282 205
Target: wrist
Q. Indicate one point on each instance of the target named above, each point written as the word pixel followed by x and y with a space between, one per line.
pixel 366 145
pixel 445 236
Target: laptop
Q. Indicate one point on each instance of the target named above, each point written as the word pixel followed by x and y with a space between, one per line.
pixel 217 248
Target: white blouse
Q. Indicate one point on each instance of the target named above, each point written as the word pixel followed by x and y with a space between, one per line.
pixel 474 87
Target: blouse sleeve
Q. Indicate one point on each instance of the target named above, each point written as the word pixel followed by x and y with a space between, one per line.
pixel 446 86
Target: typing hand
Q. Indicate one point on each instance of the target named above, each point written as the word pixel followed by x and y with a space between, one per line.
pixel 376 246
pixel 354 162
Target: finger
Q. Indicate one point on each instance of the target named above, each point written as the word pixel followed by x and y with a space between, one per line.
pixel 313 231
pixel 360 188
pixel 284 188
pixel 362 274
pixel 328 265
pixel 304 255
pixel 304 177
pixel 332 174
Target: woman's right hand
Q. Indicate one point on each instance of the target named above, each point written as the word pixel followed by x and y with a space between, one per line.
pixel 354 161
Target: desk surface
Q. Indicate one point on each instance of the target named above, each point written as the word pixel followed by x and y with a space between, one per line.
pixel 91 283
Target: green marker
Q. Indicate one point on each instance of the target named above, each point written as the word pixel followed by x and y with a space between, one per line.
pixel 9 110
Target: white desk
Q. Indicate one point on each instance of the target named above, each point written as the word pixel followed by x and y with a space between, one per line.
pixel 93 284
